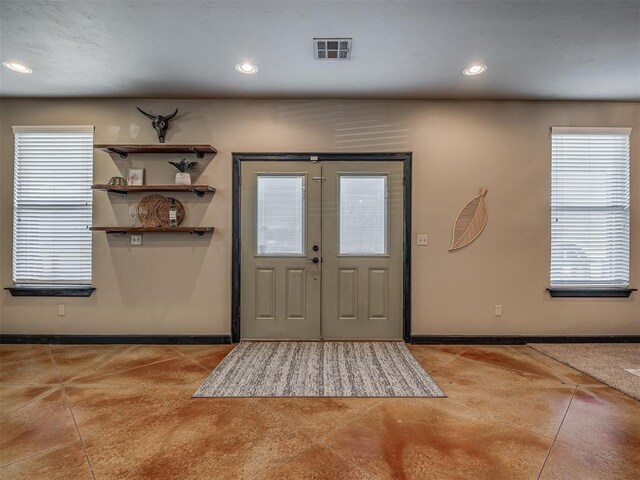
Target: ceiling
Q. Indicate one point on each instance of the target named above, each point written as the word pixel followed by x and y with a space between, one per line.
pixel 571 50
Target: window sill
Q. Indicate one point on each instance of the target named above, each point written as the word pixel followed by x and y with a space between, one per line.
pixel 68 291
pixel 591 292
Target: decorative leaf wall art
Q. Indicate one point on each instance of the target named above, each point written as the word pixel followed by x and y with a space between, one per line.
pixel 470 221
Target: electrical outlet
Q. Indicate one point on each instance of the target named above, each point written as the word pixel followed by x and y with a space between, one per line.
pixel 136 239
pixel 62 310
pixel 498 310
pixel 423 240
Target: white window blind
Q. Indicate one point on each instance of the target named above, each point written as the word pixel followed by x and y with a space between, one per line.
pixel 363 215
pixel 52 203
pixel 280 218
pixel 590 201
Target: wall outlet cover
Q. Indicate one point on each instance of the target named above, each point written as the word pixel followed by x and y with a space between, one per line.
pixel 423 240
pixel 62 310
pixel 136 239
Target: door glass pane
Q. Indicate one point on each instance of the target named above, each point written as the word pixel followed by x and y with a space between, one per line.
pixel 280 215
pixel 363 215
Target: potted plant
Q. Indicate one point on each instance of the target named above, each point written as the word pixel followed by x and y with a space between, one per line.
pixel 183 177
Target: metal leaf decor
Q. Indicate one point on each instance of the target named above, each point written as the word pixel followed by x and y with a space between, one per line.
pixel 470 221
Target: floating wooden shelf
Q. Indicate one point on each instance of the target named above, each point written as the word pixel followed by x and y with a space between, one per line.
pixel 124 230
pixel 125 149
pixel 199 190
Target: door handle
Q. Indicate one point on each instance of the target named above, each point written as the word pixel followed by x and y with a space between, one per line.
pixel 314 259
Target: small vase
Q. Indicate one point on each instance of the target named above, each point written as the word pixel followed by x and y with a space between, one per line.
pixel 183 178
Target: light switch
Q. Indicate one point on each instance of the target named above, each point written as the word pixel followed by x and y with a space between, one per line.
pixel 136 239
pixel 423 240
pixel 498 311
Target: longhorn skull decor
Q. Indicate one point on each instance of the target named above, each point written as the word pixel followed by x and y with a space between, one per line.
pixel 159 122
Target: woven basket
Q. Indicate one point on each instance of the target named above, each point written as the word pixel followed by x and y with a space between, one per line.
pixel 146 209
pixel 161 212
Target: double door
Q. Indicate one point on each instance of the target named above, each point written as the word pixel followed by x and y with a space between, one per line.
pixel 321 250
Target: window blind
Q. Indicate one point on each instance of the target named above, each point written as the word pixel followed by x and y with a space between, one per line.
pixel 52 204
pixel 280 215
pixel 590 201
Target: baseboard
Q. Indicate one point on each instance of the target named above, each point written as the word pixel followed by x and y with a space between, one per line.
pixel 519 339
pixel 11 338
pixel 116 339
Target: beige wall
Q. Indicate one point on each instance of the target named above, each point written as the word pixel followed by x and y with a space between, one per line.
pixel 181 285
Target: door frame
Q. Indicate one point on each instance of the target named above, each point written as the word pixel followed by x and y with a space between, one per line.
pixel 238 158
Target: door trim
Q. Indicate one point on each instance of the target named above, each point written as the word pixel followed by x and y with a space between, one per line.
pixel 238 158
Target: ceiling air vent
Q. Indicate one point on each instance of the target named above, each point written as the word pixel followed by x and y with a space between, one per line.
pixel 332 48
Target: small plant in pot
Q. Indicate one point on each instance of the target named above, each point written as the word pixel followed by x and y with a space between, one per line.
pixel 183 177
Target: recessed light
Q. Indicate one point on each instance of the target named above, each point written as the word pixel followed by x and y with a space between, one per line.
pixel 475 70
pixel 17 67
pixel 247 68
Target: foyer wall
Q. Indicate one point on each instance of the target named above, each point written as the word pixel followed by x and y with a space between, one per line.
pixel 182 285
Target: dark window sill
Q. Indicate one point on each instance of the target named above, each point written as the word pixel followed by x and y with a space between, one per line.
pixel 591 292
pixel 50 291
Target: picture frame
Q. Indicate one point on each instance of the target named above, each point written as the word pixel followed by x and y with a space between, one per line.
pixel 135 176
